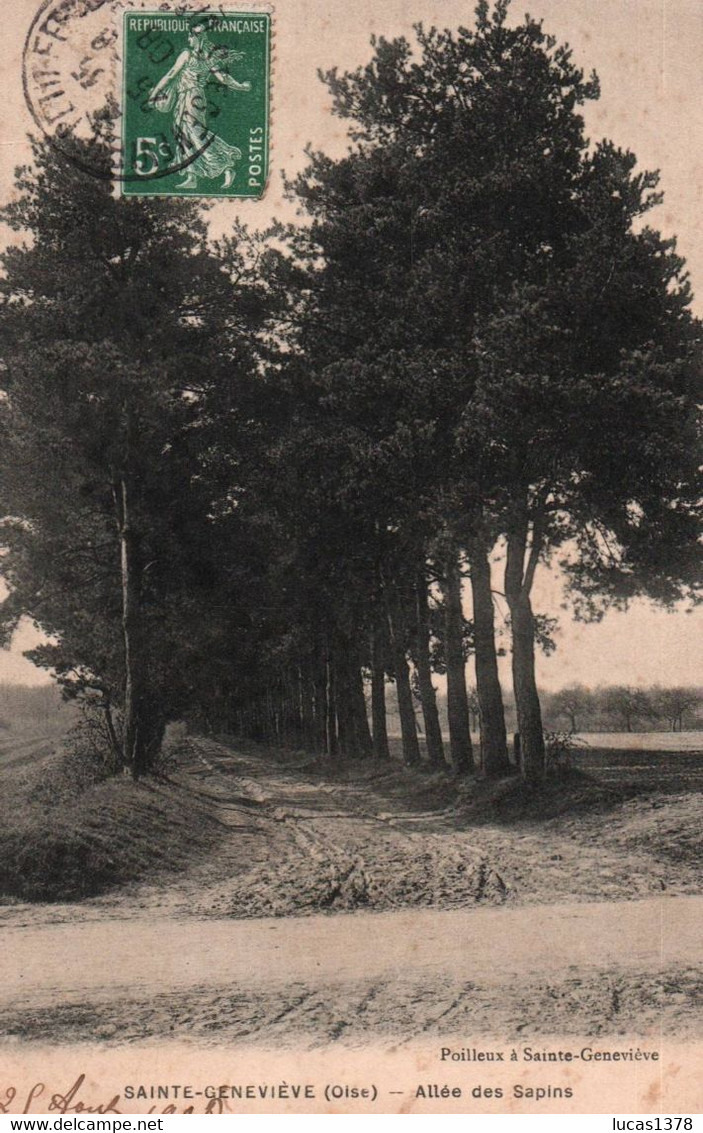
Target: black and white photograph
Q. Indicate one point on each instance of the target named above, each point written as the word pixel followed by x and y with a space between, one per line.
pixel 351 682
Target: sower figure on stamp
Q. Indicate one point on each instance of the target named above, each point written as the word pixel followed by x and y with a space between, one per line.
pixel 182 90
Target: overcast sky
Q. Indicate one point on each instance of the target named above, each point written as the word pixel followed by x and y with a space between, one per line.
pixel 648 56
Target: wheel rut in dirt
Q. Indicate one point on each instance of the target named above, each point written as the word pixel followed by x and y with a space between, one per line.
pixel 371 843
pixel 336 853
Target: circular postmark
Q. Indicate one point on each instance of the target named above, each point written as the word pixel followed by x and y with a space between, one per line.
pixel 72 73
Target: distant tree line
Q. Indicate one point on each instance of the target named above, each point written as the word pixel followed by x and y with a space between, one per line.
pixel 626 708
pixel 577 708
pixel 246 482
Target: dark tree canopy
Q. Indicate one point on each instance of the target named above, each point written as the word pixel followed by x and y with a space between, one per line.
pixel 474 256
pixel 239 479
pixel 130 357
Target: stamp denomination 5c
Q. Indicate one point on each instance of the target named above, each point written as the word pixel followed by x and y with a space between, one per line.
pixel 195 103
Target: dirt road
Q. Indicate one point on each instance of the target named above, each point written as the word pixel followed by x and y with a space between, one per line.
pixel 582 968
pixel 194 960
pixel 97 959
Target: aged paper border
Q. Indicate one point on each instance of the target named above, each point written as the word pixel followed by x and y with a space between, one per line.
pixel 102 1072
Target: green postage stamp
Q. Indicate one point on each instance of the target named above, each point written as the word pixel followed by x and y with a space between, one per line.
pixel 195 103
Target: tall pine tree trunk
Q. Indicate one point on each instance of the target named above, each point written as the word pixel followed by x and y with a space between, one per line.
pixel 307 715
pixel 518 584
pixel 461 751
pixel 352 720
pixel 114 742
pixel 379 728
pixel 134 740
pixel 406 710
pixel 331 742
pixel 345 724
pixel 360 720
pixel 494 743
pixel 320 707
pixel 428 695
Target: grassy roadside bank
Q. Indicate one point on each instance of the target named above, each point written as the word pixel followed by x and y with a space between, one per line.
pixel 65 838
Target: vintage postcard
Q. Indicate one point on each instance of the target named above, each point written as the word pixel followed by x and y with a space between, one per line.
pixel 351 706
